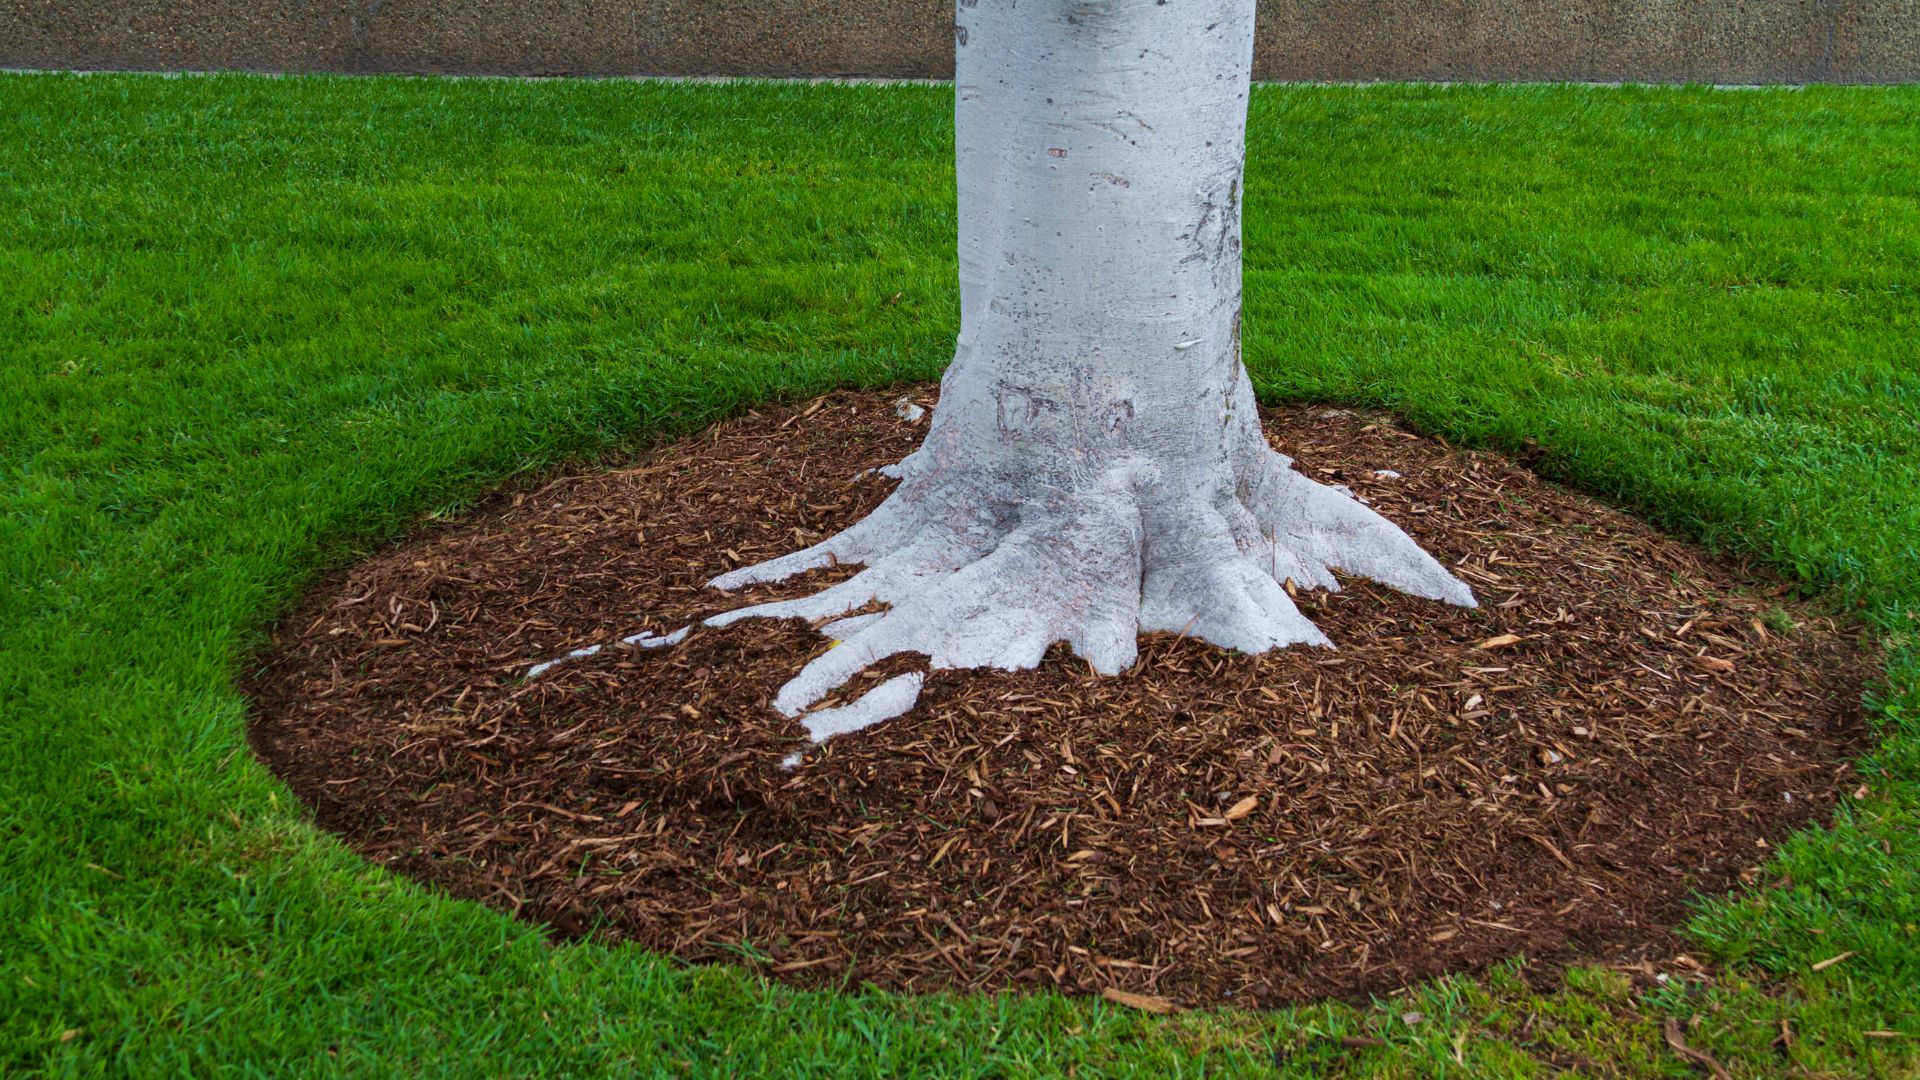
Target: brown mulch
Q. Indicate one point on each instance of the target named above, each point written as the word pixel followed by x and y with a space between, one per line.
pixel 1624 722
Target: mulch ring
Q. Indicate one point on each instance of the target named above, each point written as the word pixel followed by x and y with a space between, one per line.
pixel 1623 722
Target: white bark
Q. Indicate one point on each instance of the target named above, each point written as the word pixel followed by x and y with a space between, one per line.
pixel 1095 467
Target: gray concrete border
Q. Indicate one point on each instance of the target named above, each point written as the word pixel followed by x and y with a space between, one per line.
pixel 1711 41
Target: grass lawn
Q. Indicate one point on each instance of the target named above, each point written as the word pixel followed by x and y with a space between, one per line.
pixel 250 327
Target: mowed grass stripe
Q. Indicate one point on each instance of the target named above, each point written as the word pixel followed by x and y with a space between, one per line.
pixel 251 326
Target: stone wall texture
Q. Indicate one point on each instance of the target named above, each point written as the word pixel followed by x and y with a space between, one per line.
pixel 1720 41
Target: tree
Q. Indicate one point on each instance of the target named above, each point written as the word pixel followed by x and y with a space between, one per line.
pixel 1095 468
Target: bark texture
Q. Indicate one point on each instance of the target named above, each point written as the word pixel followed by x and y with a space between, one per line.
pixel 1095 468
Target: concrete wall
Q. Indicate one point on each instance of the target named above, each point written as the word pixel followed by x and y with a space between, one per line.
pixel 1726 41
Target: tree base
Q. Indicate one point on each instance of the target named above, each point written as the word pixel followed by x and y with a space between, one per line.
pixel 1123 555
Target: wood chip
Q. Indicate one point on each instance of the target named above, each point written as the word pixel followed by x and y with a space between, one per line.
pixel 1699 1058
pixel 1143 1002
pixel 1832 960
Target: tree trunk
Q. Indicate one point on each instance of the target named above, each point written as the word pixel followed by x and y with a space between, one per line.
pixel 1095 467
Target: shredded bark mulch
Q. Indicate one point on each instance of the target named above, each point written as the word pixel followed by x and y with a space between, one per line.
pixel 1624 722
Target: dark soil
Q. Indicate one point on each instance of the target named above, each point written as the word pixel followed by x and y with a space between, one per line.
pixel 1622 723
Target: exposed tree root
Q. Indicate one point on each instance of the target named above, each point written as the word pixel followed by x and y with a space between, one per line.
pixel 645 639
pixel 973 581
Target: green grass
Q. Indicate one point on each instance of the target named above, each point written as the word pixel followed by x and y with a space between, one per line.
pixel 250 327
